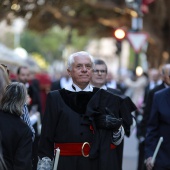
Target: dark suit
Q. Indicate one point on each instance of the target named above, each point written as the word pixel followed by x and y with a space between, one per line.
pixel 16 142
pixel 148 106
pixel 35 98
pixel 56 85
pixel 143 124
pixel 159 125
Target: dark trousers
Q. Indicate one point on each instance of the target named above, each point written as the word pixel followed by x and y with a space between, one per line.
pixel 141 157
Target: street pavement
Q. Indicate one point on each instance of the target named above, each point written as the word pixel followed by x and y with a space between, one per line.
pixel 130 154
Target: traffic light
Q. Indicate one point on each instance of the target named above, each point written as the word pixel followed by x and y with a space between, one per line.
pixel 119 34
pixel 119 47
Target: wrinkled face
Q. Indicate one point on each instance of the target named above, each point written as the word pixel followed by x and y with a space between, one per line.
pixel 23 76
pixel 81 71
pixel 99 75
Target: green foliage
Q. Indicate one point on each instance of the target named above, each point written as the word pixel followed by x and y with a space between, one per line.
pixel 52 43
pixel 131 59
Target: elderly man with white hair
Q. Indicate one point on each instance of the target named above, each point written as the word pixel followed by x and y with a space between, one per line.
pixel 82 122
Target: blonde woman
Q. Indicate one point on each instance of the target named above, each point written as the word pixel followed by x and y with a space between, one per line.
pixel 4 79
pixel 16 135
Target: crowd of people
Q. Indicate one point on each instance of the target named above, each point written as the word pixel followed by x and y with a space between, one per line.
pixel 86 114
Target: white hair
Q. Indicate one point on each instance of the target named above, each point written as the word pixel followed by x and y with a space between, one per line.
pixel 80 54
pixel 166 69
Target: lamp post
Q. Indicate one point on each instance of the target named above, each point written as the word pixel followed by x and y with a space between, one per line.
pixel 18 26
pixel 120 35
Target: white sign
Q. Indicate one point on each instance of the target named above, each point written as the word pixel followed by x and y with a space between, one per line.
pixel 137 40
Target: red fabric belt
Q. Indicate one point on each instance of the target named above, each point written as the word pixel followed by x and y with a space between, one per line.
pixel 75 149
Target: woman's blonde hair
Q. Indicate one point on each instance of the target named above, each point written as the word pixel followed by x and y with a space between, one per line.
pixel 14 98
pixel 4 77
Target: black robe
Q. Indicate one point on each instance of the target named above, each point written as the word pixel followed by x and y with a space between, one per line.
pixel 66 120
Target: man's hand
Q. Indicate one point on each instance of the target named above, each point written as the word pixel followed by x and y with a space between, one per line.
pixel 149 165
pixel 108 121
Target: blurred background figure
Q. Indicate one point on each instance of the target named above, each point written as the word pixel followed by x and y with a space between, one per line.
pixel 3 83
pixel 34 107
pixel 23 76
pixel 136 87
pixel 154 79
pixel 111 82
pixel 45 85
pixel 4 79
pixel 63 82
pixel 16 135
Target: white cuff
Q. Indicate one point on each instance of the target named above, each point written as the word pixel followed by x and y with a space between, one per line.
pixel 45 164
pixel 122 133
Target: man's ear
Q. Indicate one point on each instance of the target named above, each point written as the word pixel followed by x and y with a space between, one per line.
pixel 69 72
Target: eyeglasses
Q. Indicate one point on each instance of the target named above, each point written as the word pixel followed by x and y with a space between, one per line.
pixel 99 71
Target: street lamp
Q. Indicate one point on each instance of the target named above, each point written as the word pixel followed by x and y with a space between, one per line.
pixel 18 26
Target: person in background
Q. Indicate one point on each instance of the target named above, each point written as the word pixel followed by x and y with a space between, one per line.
pixel 99 79
pixel 154 79
pixel 63 82
pixel 114 84
pixel 159 126
pixel 34 106
pixel 80 121
pixel 4 77
pixel 23 74
pixel 16 135
pixel 147 110
pixel 3 83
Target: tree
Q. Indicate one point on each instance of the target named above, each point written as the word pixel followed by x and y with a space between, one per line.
pixel 50 44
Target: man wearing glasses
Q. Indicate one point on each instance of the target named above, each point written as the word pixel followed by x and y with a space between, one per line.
pixel 99 77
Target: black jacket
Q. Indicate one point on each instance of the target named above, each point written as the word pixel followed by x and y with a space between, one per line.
pixel 16 142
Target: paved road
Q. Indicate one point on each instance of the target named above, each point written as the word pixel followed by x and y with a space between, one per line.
pixel 130 152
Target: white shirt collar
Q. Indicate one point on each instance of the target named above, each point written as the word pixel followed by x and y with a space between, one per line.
pixel 75 88
pixel 64 82
pixel 103 87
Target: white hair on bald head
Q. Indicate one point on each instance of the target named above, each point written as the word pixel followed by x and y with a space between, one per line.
pixel 166 69
pixel 78 54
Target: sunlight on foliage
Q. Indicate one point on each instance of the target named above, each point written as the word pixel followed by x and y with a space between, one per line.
pixel 42 63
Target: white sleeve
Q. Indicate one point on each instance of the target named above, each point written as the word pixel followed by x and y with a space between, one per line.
pixel 118 137
pixel 33 119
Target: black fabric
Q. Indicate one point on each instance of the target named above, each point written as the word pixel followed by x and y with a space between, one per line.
pixel 119 148
pixel 147 109
pixel 67 119
pixel 107 121
pixel 141 131
pixel 35 98
pixel 118 106
pixel 55 85
pixel 126 114
pixel 77 100
pixel 16 142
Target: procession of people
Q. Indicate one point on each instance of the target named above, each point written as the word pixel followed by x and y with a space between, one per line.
pixel 84 116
